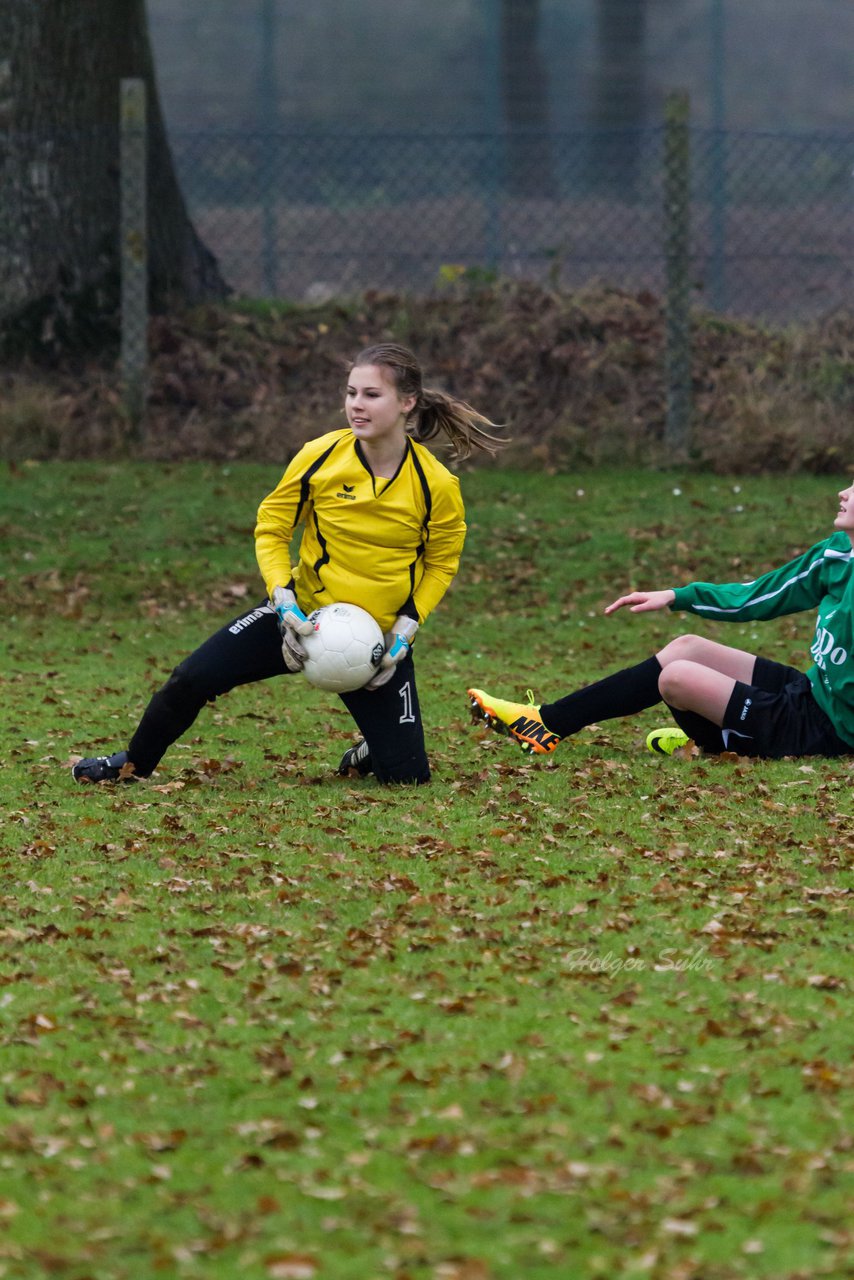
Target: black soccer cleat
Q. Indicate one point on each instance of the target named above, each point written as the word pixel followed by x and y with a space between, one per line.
pixel 356 759
pixel 104 769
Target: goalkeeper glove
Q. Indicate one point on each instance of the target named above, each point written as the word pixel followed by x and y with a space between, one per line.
pixel 292 624
pixel 398 643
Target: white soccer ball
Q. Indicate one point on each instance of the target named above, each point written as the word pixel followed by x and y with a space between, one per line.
pixel 345 648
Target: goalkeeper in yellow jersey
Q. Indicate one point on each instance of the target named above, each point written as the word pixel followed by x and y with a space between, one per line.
pixel 383 528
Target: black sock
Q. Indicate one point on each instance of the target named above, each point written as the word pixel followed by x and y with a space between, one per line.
pixel 621 694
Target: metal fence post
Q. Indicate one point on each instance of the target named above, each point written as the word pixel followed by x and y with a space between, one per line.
pixel 677 230
pixel 134 250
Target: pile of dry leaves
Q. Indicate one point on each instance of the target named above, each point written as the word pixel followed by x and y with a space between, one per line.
pixel 575 378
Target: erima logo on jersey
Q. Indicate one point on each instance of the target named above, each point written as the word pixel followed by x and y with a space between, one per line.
pixel 347 492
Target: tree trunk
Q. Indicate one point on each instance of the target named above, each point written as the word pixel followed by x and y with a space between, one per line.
pixel 619 96
pixel 524 91
pixel 59 175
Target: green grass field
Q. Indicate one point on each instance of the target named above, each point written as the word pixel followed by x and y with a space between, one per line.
pixel 580 1017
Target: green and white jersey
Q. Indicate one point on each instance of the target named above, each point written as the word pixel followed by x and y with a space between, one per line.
pixel 823 579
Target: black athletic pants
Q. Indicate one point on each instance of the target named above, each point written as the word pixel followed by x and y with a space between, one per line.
pixel 250 648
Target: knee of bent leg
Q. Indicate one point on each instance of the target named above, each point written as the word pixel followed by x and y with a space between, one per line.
pixel 187 685
pixel 674 679
pixel 683 648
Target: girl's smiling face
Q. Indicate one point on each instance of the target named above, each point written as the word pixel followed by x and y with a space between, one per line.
pixel 376 412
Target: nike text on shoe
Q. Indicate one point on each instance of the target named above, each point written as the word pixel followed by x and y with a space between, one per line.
pixel 515 719
pixel 114 768
pixel 665 741
pixel 356 759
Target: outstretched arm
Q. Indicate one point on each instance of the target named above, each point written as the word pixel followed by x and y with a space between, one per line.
pixel 643 601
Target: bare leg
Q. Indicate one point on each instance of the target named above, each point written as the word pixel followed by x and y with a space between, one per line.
pixel 737 663
pixel 633 689
pixel 699 675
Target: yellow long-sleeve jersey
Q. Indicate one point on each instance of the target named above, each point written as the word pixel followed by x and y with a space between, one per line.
pixel 389 545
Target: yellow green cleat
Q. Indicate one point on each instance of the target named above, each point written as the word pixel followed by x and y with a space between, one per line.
pixel 664 742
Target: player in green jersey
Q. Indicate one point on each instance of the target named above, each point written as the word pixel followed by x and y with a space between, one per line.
pixel 720 697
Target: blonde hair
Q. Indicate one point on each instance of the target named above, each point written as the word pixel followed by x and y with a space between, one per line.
pixel 434 412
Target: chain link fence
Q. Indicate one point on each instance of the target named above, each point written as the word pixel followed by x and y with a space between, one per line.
pixel 308 216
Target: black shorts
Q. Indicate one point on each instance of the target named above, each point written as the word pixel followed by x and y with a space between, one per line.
pixel 778 716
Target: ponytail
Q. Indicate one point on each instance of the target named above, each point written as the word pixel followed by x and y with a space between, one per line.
pixel 464 427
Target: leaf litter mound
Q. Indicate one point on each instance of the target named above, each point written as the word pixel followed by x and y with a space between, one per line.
pixel 575 379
